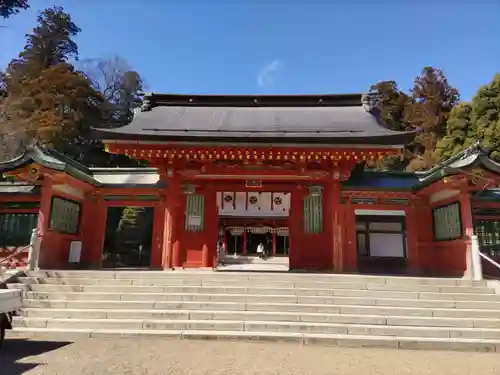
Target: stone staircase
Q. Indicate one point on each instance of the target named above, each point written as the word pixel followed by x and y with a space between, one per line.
pixel 348 310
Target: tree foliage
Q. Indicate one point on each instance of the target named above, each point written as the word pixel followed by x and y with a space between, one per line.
pixel 425 110
pixel 50 43
pixel 11 7
pixel 476 121
pixel 120 85
pixel 55 107
pixel 47 99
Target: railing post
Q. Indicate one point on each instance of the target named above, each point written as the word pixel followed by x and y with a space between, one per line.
pixel 476 266
pixel 34 251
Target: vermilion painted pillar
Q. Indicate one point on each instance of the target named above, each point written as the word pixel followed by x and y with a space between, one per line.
pixel 468 231
pixel 210 230
pixel 334 223
pixel 350 242
pixel 466 214
pixel 428 258
pixel 93 230
pixel 224 241
pixel 274 244
pixel 45 260
pixel 174 222
pixel 412 241
pixel 244 242
pixel 296 227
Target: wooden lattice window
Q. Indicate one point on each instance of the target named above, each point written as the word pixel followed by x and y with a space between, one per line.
pixel 447 222
pixel 194 213
pixel 313 214
pixel 488 235
pixel 64 216
pixel 16 228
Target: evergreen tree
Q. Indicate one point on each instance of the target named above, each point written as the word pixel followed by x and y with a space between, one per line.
pixel 50 43
pixel 11 7
pixel 460 132
pixel 388 103
pixel 486 116
pixel 478 120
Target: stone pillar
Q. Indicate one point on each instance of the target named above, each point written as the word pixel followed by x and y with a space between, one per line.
pixel 468 231
pixel 476 266
pixel 43 223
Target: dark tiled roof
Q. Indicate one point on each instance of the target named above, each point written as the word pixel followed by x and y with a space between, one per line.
pixel 378 180
pixel 292 119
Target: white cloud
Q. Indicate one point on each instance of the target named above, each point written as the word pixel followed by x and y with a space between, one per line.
pixel 265 77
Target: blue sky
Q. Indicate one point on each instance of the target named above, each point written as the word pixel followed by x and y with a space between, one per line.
pixel 282 46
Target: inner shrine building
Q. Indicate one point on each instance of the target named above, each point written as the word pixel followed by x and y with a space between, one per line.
pixel 287 172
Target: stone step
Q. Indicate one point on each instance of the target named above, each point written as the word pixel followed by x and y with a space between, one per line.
pixel 260 326
pixel 264 298
pixel 485 295
pixel 277 307
pixel 482 345
pixel 260 316
pixel 254 276
pixel 260 284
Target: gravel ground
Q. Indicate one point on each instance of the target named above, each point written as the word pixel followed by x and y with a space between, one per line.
pixel 175 357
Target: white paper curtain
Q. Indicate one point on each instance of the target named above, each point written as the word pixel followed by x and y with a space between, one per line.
pixel 239 230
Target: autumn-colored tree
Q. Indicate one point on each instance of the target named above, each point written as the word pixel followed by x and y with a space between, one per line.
pixel 11 7
pixel 55 107
pixel 425 110
pixel 432 100
pixel 47 99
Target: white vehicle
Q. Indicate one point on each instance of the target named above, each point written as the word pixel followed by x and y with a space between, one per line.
pixel 10 303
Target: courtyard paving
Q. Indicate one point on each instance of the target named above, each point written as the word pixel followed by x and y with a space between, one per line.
pixel 175 357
